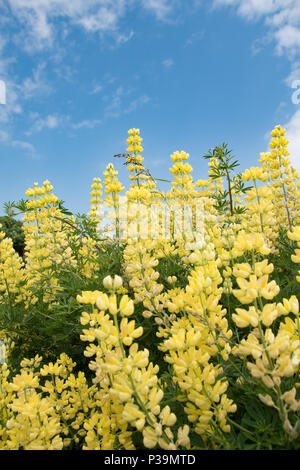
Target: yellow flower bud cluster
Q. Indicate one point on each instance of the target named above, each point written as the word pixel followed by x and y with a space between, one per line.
pixel 281 177
pixel 112 185
pixel 183 187
pixel 134 161
pixel 250 242
pixel 86 255
pixel 45 199
pixel 273 356
pixel 46 242
pixel 12 275
pixel 45 407
pixel 96 200
pixel 260 213
pixel 190 343
pixel 112 199
pixel 45 253
pixel 129 393
pixel 295 236
pixel 139 264
pixel 200 389
pixel 254 174
pixel 204 298
pixel 134 141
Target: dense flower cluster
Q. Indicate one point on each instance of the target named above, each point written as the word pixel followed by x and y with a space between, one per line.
pixel 181 307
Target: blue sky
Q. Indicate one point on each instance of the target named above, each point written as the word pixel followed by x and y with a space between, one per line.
pixel 190 74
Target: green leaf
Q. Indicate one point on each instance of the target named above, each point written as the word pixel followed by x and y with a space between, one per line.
pixel 160 179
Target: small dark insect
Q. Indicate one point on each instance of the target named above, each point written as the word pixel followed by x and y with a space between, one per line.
pixel 131 159
pixel 122 155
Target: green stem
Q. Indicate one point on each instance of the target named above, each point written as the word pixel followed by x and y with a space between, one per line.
pixel 241 428
pixel 9 298
pixel 230 192
pixel 135 392
pixel 258 200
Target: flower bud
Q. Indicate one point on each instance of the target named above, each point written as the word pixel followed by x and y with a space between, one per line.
pixel 108 282
pixel 102 302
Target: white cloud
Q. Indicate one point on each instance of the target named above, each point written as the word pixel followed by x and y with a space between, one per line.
pixel 254 9
pixel 38 18
pixel 288 40
pixel 133 105
pixel 113 109
pixel 66 72
pixel 4 135
pixel 6 139
pixel 168 62
pixel 89 124
pixel 49 122
pixel 23 145
pixel 281 16
pixel 35 85
pixel 161 8
pixel 96 89
pixel 121 103
pixel 53 121
pixel 195 37
pixel 105 18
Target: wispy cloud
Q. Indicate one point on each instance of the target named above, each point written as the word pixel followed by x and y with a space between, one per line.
pixel 121 102
pixel 96 89
pixel 37 19
pixel 288 40
pixel 133 105
pixel 66 72
pixel 38 25
pixel 35 85
pixel 51 121
pixel 161 8
pixel 24 145
pixel 195 37
pixel 89 124
pixel 6 139
pixel 168 62
pixel 282 17
pixel 54 122
pixel 114 108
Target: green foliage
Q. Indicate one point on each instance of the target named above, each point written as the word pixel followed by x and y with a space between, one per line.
pixel 222 166
pixel 49 329
pixel 13 229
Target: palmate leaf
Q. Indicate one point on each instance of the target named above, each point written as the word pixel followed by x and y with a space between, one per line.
pixel 239 210
pixel 21 205
pixel 217 173
pixel 8 208
pixel 233 165
pixel 247 188
pixel 63 209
